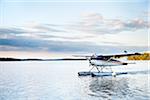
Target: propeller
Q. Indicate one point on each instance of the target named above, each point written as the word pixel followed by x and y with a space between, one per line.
pixel 94 55
pixel 90 58
pixel 89 61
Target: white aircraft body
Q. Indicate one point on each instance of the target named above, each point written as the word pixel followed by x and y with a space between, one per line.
pixel 102 63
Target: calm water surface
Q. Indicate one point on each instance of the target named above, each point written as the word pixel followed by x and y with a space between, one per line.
pixel 59 81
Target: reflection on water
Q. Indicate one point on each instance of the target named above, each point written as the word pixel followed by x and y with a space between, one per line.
pixel 139 72
pixel 124 87
pixel 59 81
pixel 112 88
pixel 132 86
pixel 106 87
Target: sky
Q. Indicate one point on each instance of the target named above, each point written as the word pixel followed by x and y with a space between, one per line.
pixel 48 28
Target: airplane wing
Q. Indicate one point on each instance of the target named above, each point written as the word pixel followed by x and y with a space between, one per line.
pixel 97 57
pixel 106 57
pixel 120 55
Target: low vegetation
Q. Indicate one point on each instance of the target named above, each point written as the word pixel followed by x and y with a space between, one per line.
pixel 144 56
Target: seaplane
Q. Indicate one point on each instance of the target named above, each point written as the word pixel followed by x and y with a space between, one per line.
pixel 103 64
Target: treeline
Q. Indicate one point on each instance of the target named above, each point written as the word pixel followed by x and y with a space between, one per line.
pixel 144 56
pixel 33 59
pixel 16 59
pixel 9 59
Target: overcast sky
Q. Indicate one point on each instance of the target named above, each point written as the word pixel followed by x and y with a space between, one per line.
pixel 43 27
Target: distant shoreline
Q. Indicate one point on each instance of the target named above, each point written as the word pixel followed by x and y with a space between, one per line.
pixel 17 59
pixel 34 59
pixel 144 56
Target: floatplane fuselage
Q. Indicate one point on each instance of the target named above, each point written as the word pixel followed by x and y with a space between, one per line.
pixel 111 62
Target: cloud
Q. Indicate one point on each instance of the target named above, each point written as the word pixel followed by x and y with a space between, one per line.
pixel 11 30
pixel 89 23
pixel 39 31
pixel 60 38
pixel 44 27
pixel 136 24
pixel 24 44
pixel 31 30
pixel 95 23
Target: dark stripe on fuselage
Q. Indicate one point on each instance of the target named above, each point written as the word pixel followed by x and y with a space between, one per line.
pixel 104 58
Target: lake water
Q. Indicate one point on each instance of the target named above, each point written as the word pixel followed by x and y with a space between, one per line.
pixel 52 80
